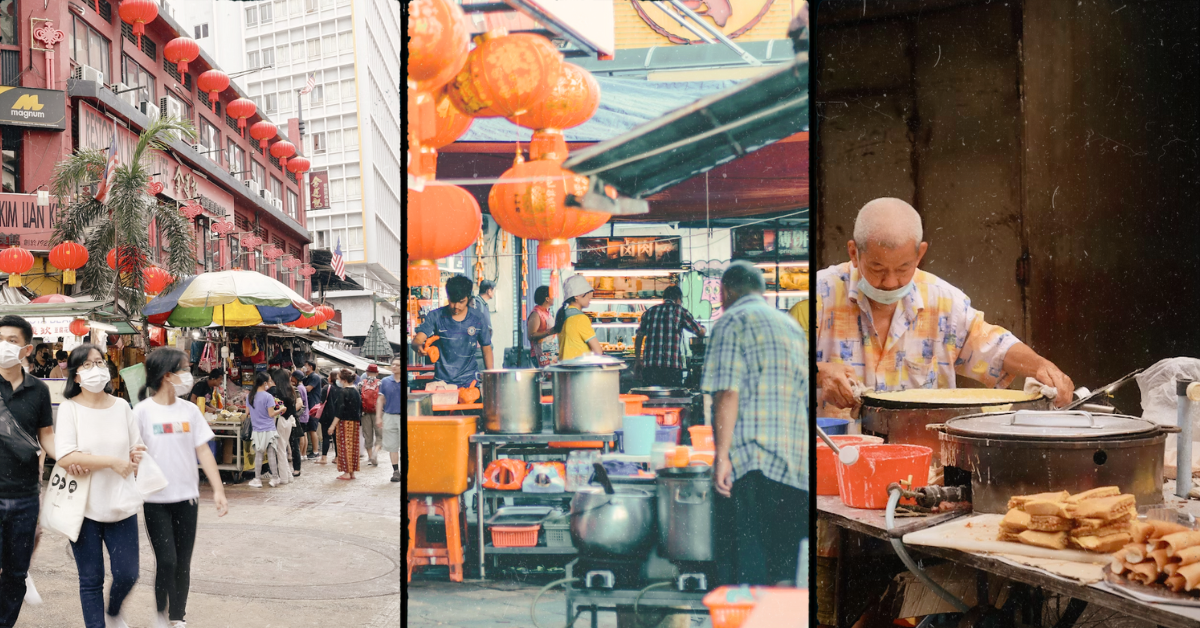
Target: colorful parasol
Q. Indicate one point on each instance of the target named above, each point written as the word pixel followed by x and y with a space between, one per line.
pixel 53 298
pixel 233 298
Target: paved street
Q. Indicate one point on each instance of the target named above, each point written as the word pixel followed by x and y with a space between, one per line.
pixel 317 552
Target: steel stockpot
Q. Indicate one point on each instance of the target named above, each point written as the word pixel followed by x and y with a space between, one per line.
pixel 587 395
pixel 512 401
pixel 613 526
pixel 1003 454
pixel 685 513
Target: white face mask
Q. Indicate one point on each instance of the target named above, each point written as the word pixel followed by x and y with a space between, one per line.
pixel 94 379
pixel 185 384
pixel 10 355
pixel 884 297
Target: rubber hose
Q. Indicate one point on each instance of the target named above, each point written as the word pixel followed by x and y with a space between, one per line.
pixel 636 620
pixel 533 607
pixel 898 545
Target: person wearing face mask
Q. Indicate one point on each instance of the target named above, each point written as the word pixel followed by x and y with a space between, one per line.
pixel 60 365
pixel 886 325
pixel 97 431
pixel 42 364
pixel 176 436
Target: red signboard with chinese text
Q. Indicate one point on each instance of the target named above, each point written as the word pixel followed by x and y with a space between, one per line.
pixel 318 190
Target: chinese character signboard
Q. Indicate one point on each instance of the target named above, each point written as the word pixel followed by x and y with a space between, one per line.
pixel 26 106
pixel 661 252
pixel 318 190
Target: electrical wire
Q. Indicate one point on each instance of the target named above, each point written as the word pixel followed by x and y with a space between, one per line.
pixel 637 621
pixel 533 606
pixel 898 545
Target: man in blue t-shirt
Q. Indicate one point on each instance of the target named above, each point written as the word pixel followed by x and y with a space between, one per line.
pixel 392 392
pixel 459 328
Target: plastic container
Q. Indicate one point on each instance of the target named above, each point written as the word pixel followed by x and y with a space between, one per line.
pixel 827 482
pixel 558 532
pixel 515 536
pixel 864 483
pixel 833 426
pixel 660 453
pixel 702 437
pixel 731 614
pixel 439 454
pixel 579 468
pixel 639 434
pixel 633 403
pixel 665 416
pixel 667 434
pixel 443 394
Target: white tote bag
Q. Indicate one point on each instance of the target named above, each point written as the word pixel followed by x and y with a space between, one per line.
pixel 65 500
pixel 150 478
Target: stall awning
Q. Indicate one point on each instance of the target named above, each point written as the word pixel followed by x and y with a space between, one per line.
pixel 703 135
pixel 345 357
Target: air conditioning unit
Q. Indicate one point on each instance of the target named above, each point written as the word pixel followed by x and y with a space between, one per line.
pixel 88 73
pixel 254 188
pixel 133 96
pixel 270 198
pixel 277 204
pixel 264 193
pixel 199 148
pixel 171 107
pixel 149 109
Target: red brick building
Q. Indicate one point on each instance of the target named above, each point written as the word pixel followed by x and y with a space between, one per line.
pixel 97 74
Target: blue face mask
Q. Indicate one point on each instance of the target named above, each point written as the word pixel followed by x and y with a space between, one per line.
pixel 883 297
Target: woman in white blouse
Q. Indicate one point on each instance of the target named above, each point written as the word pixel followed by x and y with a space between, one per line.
pixel 97 431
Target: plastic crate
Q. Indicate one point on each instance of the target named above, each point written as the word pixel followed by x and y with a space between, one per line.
pixel 515 536
pixel 558 534
pixel 726 614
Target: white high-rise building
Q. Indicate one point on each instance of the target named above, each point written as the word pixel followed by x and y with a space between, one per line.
pixel 352 117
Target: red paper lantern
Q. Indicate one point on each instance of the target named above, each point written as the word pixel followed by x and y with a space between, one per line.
pixel 573 100
pixel 326 313
pixel 508 74
pixel 263 131
pixel 79 327
pixel 68 257
pixel 180 51
pixel 281 150
pixel 15 261
pixel 442 220
pixel 439 38
pixel 299 165
pixel 214 82
pixel 240 110
pixel 129 258
pixel 156 279
pixel 537 210
pixel 450 123
pixel 138 13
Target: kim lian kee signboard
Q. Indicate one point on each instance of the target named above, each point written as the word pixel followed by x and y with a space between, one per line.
pixel 30 107
pixel 24 224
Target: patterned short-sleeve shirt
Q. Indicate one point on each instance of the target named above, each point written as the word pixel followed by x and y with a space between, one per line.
pixel 763 355
pixel 935 336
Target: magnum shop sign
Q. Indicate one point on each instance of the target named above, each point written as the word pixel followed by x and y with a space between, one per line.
pixel 318 190
pixel 29 107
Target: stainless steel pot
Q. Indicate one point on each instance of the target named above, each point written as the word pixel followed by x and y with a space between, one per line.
pixel 1003 454
pixel 685 513
pixel 613 526
pixel 420 403
pixel 512 401
pixel 587 395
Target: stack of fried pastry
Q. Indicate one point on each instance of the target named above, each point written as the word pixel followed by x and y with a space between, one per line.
pixel 1099 520
pixel 1161 553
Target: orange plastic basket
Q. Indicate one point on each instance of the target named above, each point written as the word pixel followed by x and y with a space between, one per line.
pixel 439 454
pixel 515 536
pixel 727 614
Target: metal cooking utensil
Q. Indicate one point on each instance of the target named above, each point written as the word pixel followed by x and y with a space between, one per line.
pixel 1101 392
pixel 602 478
pixel 847 456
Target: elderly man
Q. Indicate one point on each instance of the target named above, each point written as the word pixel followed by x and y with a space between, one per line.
pixel 757 372
pixel 889 326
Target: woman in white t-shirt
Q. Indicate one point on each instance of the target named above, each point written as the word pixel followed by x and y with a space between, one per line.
pixel 176 435
pixel 96 431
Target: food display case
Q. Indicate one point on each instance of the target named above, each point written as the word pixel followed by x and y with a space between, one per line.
pixel 780 249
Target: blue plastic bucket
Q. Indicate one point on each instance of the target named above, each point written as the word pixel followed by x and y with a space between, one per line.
pixel 667 434
pixel 833 426
pixel 638 434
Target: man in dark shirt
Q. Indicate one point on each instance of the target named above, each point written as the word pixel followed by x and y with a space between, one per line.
pixel 205 387
pixel 315 385
pixel 42 361
pixel 27 404
pixel 657 342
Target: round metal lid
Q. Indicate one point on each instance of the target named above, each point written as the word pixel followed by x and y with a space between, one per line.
pixel 1048 425
pixel 588 361
pixel 688 472
pixel 659 392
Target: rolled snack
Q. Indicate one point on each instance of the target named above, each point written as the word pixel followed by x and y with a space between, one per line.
pixel 1176 583
pixel 1136 552
pixel 1142 531
pixel 1048 508
pixel 1163 528
pixel 1016 520
pixel 1049 540
pixel 1049 523
pixel 1189 555
pixel 1171 568
pixel 1118 562
pixel 1192 574
pixel 1019 501
pixel 1103 491
pixel 1160 558
pixel 1144 572
pixel 1104 544
pixel 1181 540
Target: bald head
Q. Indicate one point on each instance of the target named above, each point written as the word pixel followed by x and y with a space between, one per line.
pixel 889 223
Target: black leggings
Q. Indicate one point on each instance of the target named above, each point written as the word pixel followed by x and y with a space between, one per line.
pixel 294 442
pixel 172 532
pixel 327 439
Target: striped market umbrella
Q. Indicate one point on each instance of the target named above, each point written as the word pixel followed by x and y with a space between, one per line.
pixel 233 298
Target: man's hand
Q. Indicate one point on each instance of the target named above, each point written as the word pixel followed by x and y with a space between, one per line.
pixel 1049 375
pixel 834 381
pixel 723 475
pixel 222 504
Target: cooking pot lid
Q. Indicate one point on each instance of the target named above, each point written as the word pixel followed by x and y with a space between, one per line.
pixel 659 392
pixel 689 472
pixel 1048 424
pixel 589 361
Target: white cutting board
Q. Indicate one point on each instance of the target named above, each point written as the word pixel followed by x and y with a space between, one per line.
pixel 978 534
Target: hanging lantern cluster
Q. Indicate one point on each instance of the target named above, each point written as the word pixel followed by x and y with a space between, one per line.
pixel 281 150
pixel 15 261
pixel 180 51
pixel 241 110
pixel 214 82
pixel 69 257
pixel 506 75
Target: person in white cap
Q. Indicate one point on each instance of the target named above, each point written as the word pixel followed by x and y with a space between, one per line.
pixel 575 334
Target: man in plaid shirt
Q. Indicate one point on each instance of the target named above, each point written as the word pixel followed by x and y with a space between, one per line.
pixel 661 363
pixel 757 372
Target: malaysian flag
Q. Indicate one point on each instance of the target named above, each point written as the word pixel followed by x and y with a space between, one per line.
pixel 339 265
pixel 110 169
pixel 310 84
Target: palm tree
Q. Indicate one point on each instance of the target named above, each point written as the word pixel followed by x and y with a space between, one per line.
pixel 124 221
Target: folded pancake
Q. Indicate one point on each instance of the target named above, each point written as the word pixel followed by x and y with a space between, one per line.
pixel 1127 517
pixel 1141 530
pixel 1103 491
pixel 1115 528
pixel 1018 501
pixel 1047 508
pixel 1049 540
pixel 1106 508
pixel 1181 540
pixel 1008 536
pixel 1049 523
pixel 1016 520
pixel 1103 544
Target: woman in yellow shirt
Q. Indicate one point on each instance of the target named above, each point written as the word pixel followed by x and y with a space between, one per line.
pixel 575 334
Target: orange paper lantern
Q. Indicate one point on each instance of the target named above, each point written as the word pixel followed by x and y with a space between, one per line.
pixel 241 110
pixel 439 38
pixel 450 123
pixel 138 13
pixel 79 327
pixel 156 279
pixel 507 74
pixel 15 261
pixel 299 165
pixel 572 100
pixel 263 131
pixel 68 257
pixel 214 82
pixel 281 150
pixel 442 220
pixel 129 258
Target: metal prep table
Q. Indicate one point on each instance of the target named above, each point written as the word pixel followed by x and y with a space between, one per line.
pixel 230 431
pixel 581 600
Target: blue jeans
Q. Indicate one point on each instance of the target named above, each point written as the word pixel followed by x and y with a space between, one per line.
pixel 18 523
pixel 121 539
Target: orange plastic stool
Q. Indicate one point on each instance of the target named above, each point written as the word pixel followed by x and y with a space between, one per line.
pixel 420 551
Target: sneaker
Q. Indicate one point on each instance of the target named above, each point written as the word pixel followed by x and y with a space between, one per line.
pixel 312 456
pixel 274 482
pixel 371 461
pixel 161 620
pixel 255 483
pixel 396 475
pixel 179 624
pixel 115 621
pixel 31 594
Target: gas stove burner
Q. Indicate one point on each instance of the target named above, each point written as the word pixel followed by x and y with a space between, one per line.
pixel 601 579
pixel 689 582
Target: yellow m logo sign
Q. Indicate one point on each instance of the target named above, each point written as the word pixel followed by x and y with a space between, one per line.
pixel 28 102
